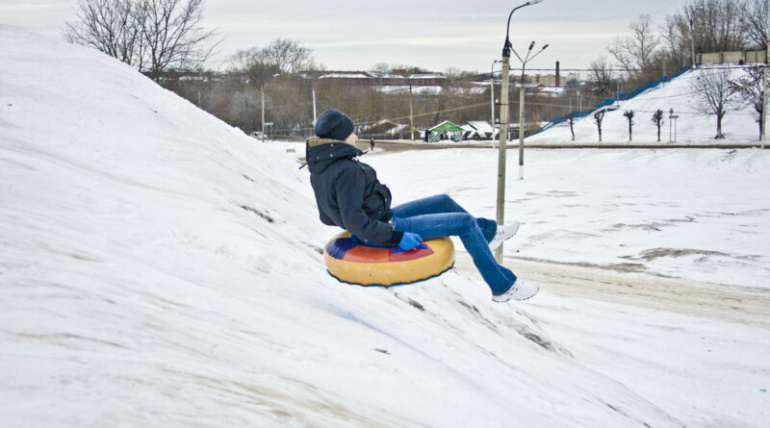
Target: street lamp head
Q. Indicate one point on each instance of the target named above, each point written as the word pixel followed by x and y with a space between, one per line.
pixel 507 45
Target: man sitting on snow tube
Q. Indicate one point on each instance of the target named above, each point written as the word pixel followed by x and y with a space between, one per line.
pixel 349 195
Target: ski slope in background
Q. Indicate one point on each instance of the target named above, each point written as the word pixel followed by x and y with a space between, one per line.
pixel 693 123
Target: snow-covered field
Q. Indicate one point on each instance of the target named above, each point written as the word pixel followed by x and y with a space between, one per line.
pixel 696 214
pixel 159 268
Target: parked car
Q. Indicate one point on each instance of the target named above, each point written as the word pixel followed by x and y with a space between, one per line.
pixel 258 135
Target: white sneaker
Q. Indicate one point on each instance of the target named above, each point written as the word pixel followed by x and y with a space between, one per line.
pixel 518 291
pixel 504 233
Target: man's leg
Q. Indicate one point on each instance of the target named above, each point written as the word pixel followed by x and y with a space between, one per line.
pixel 431 226
pixel 441 204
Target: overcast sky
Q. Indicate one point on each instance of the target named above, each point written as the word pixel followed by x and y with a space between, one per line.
pixel 431 34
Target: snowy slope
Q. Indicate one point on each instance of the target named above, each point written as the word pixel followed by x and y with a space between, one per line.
pixel 693 125
pixel 161 268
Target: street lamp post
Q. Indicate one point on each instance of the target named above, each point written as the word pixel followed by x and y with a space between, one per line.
pixel 411 114
pixel 503 138
pixel 315 116
pixel 522 92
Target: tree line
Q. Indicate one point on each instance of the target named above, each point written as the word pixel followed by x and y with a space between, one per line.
pixel 702 26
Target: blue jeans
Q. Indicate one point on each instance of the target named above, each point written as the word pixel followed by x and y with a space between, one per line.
pixel 438 216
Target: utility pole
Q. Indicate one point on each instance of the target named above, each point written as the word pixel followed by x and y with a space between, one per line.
pixel 692 41
pixel 314 108
pixel 504 125
pixel 411 114
pixel 764 100
pixel 767 64
pixel 503 147
pixel 522 128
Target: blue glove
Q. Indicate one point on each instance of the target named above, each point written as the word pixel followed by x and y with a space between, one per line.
pixel 409 241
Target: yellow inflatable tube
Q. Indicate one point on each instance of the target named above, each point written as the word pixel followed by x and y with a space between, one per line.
pixel 350 261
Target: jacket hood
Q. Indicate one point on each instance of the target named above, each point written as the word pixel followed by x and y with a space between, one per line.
pixel 322 152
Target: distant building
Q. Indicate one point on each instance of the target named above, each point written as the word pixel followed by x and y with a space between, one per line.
pixel 393 81
pixel 737 57
pixel 479 130
pixel 547 80
pixel 445 130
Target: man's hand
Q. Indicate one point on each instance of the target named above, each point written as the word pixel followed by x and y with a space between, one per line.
pixel 409 241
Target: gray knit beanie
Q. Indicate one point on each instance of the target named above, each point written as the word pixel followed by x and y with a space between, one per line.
pixel 333 124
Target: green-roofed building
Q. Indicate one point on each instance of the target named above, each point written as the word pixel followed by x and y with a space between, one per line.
pixel 445 130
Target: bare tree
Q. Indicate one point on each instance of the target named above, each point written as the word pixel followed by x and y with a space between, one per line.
pixel 715 25
pixel 750 87
pixel 173 35
pixel 288 55
pixel 280 57
pixel 657 119
pixel 110 26
pixel 153 35
pixel 673 39
pixel 381 67
pixel 635 53
pixel 598 118
pixel 714 93
pixel 262 65
pixel 252 64
pixel 754 22
pixel 629 114
pixel 601 76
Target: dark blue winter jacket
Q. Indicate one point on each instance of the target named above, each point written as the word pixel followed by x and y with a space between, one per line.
pixel 348 193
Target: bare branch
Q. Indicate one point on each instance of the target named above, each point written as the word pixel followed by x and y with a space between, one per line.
pixel 715 93
pixel 158 34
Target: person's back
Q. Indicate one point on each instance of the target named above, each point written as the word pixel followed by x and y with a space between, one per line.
pixel 348 193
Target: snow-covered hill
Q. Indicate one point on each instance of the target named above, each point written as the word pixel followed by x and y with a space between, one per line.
pixel 159 268
pixel 693 123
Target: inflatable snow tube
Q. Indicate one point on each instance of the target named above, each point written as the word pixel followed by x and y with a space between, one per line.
pixel 355 263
